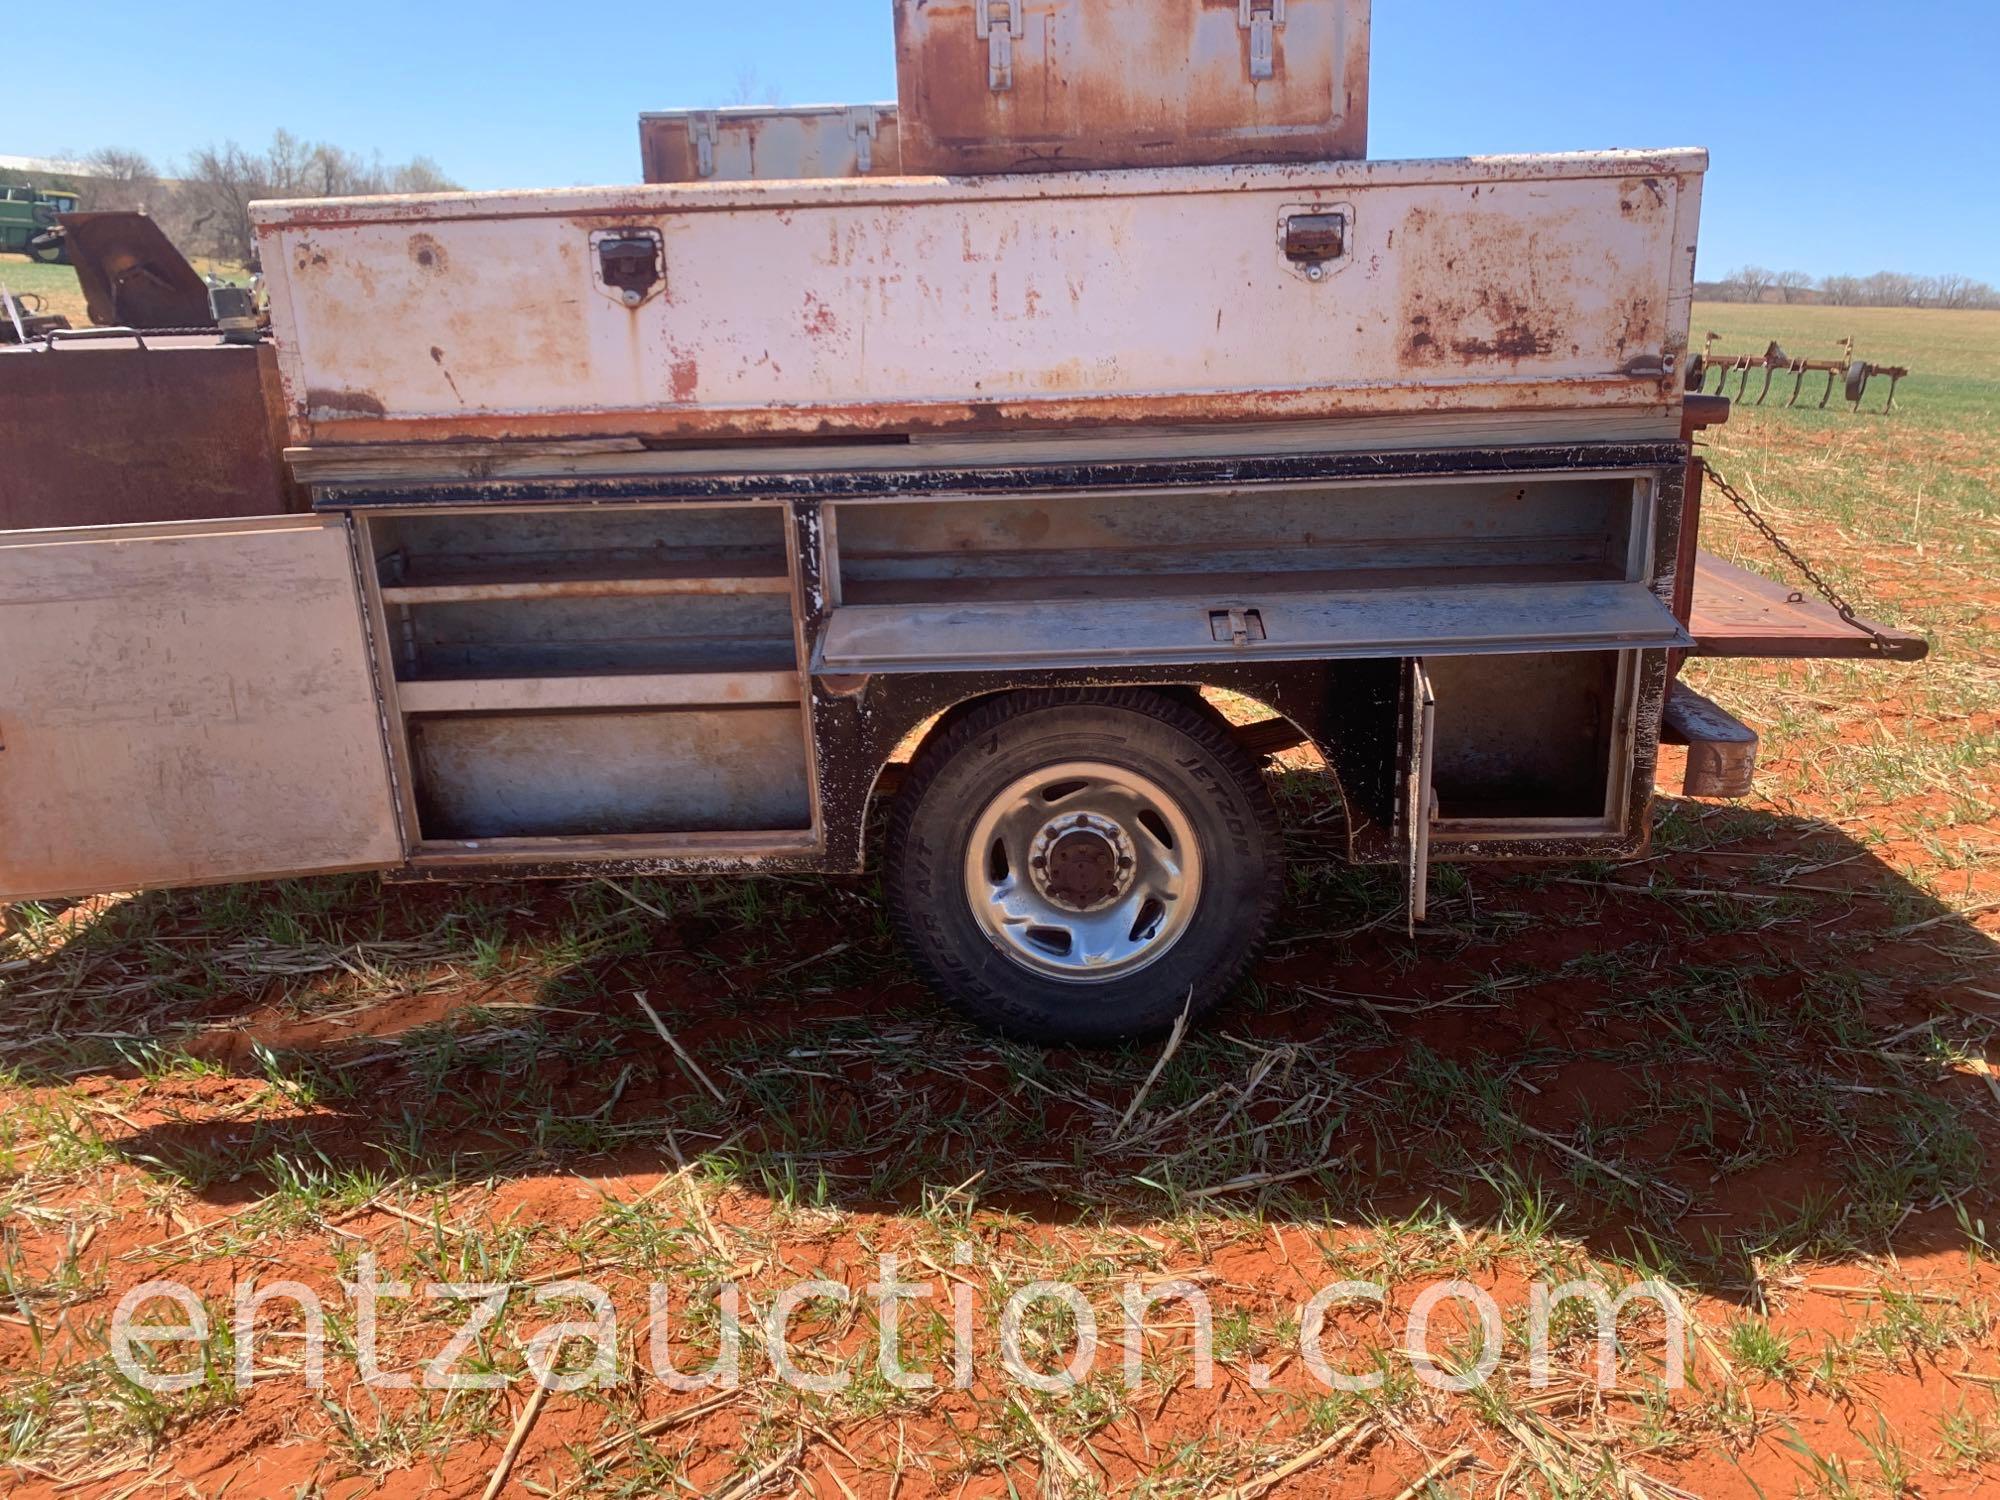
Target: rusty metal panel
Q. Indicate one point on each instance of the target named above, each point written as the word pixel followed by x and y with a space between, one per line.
pixel 1739 613
pixel 749 144
pixel 100 433
pixel 908 304
pixel 186 702
pixel 1053 85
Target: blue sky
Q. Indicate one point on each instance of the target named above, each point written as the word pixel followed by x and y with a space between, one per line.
pixel 1847 136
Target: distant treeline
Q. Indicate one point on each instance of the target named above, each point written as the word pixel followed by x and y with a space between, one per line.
pixel 1883 289
pixel 203 203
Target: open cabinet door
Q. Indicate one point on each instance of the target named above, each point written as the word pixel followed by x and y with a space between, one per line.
pixel 184 703
pixel 1418 804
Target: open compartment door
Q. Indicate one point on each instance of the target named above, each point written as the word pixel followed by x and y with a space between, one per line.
pixel 1739 613
pixel 1417 802
pixel 186 703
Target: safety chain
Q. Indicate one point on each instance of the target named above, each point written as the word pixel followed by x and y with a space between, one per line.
pixel 1770 534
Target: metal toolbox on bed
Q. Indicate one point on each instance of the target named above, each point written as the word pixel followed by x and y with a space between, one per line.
pixel 1047 85
pixel 758 143
pixel 907 305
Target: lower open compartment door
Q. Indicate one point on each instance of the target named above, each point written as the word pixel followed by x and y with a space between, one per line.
pixel 1416 808
pixel 185 703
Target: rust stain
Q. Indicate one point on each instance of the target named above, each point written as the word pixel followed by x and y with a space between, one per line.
pixel 683 376
pixel 437 358
pixel 820 321
pixel 1636 333
pixel 427 252
pixel 1482 288
pixel 364 403
pixel 763 422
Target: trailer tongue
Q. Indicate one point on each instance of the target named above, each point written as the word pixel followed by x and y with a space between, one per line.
pixel 650 522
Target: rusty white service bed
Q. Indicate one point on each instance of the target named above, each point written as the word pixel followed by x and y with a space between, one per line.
pixel 922 304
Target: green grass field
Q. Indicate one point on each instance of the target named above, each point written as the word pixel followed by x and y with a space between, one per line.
pixel 1758 1064
pixel 55 285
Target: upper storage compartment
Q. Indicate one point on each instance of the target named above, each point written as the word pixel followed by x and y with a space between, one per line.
pixel 1121 545
pixel 919 305
pixel 742 144
pixel 1054 85
pixel 482 595
pixel 1496 564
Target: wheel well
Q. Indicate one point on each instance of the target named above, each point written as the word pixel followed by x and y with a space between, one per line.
pixel 1300 713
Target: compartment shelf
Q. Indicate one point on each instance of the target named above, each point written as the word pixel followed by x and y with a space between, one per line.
pixel 606 579
pixel 614 690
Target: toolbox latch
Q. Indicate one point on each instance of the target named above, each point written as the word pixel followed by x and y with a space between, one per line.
pixel 1262 18
pixel 999 24
pixel 1315 239
pixel 863 125
pixel 701 136
pixel 629 263
pixel 1236 627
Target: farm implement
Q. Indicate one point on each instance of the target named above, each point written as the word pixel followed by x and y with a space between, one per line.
pixel 1854 375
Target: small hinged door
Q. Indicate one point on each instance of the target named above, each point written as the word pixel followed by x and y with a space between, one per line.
pixel 185 703
pixel 1416 806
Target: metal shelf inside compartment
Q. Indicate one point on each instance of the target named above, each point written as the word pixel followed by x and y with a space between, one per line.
pixel 595 637
pixel 474 580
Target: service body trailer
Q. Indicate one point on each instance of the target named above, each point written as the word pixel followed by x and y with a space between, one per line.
pixel 649 522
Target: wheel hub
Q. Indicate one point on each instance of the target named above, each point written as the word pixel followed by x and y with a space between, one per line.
pixel 1083 871
pixel 1082 862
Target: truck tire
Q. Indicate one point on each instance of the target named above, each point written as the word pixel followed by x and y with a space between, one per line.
pixel 1083 866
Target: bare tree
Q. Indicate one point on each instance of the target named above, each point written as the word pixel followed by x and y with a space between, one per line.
pixel 421 175
pixel 1841 291
pixel 751 89
pixel 1751 282
pixel 1793 283
pixel 1890 289
pixel 120 180
pixel 219 183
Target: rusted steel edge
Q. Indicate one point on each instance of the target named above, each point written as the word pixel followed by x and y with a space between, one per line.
pixel 599 202
pixel 1005 479
pixel 1698 413
pixel 1777 646
pixel 350 417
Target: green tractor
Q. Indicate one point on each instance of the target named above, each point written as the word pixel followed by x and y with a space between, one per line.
pixel 28 222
